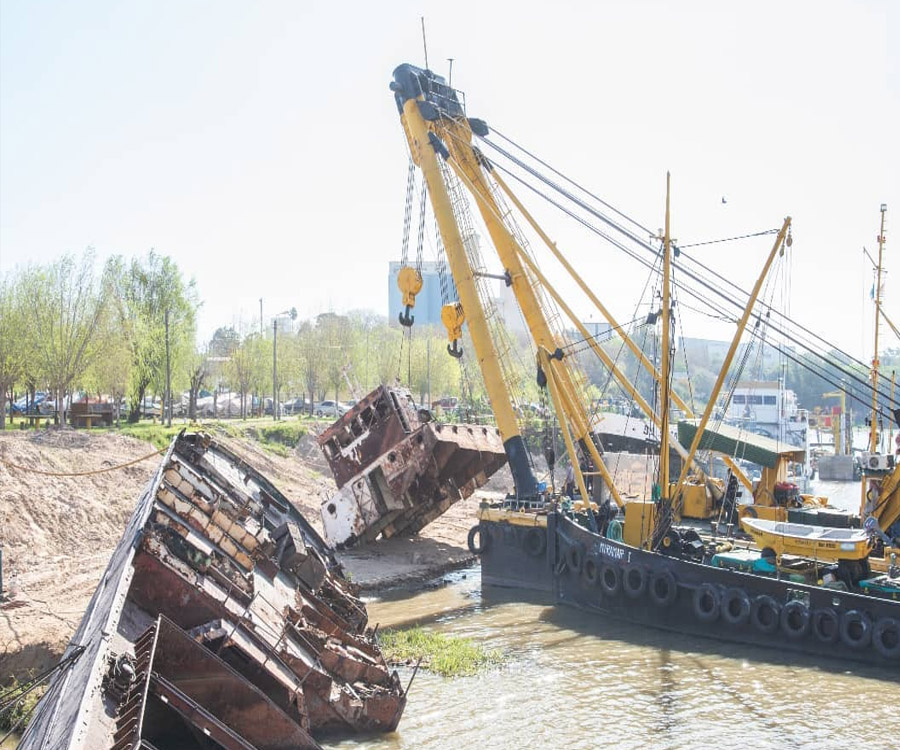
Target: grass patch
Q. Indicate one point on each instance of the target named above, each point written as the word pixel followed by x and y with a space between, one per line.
pixel 441 654
pixel 157 434
pixel 19 712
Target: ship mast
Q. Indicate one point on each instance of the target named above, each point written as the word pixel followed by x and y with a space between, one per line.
pixel 664 375
pixel 873 430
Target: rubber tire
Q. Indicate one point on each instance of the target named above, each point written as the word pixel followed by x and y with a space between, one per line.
pixel 760 604
pixel 743 615
pixel 788 611
pixel 575 557
pixel 707 593
pixel 483 539
pixel 670 591
pixel 751 513
pixel 886 650
pixel 817 621
pixel 535 542
pixel 591 570
pixel 633 587
pixel 861 619
pixel 611 579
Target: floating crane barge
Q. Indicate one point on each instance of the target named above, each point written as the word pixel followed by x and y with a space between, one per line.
pixel 222 621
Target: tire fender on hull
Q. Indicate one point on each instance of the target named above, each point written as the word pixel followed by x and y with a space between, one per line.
pixel 535 542
pixel 483 539
pixel 765 614
pixel 591 570
pixel 575 557
pixel 736 607
pixel 795 619
pixel 886 637
pixel 610 579
pixel 826 625
pixel 663 588
pixel 634 581
pixel 707 603
pixel 856 629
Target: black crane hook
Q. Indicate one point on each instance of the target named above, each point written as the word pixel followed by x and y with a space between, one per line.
pixel 454 349
pixel 405 318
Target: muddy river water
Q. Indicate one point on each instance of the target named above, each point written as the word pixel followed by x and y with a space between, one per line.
pixel 573 681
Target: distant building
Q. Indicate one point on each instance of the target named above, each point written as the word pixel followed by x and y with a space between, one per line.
pixel 770 409
pixel 427 310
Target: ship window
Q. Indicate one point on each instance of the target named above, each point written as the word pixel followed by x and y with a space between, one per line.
pixel 754 399
pixel 770 400
pixel 739 399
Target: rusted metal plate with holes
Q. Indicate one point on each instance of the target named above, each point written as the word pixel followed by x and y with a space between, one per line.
pixel 397 470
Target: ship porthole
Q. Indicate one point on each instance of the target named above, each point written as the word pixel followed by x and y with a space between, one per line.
pixel 765 614
pixel 795 619
pixel 481 533
pixel 535 542
pixel 634 581
pixel 663 588
pixel 610 579
pixel 856 629
pixel 707 603
pixel 735 607
pixel 575 557
pixel 886 637
pixel 826 625
pixel 591 571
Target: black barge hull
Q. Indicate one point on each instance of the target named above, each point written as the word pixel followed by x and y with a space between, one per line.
pixel 595 574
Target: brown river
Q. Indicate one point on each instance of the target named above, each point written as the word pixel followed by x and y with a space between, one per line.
pixel 573 681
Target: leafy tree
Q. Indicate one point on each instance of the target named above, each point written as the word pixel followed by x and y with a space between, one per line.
pixel 142 291
pixel 64 303
pixel 197 371
pixel 110 372
pixel 12 349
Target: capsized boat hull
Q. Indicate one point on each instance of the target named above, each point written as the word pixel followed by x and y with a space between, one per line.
pixel 596 574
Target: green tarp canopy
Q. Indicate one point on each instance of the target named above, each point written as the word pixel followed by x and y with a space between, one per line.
pixel 739 443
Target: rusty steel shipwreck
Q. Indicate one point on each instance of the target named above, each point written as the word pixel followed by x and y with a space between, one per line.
pixel 222 621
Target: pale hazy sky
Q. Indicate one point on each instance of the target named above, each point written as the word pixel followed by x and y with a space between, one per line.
pixel 257 143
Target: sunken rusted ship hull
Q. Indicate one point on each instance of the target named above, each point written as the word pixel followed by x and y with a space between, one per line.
pixel 397 470
pixel 586 570
pixel 222 617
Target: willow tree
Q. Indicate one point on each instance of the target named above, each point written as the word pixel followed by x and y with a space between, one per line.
pixel 64 304
pixel 143 290
pixel 12 350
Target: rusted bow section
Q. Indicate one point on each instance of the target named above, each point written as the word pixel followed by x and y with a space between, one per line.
pixel 397 470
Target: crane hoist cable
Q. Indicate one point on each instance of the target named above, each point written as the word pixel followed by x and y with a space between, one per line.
pixel 409 280
pixel 714 288
pixel 845 371
pixel 631 235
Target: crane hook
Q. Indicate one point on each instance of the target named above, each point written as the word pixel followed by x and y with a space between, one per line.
pixel 454 349
pixel 405 318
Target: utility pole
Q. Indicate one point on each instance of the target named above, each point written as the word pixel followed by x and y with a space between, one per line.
pixel 275 369
pixel 168 404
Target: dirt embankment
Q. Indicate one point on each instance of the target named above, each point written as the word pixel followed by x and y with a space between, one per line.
pixel 57 533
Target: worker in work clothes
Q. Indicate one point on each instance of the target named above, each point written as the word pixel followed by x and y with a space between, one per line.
pixel 569 487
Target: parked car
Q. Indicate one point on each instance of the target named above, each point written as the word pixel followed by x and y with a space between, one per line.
pixel 330 409
pixel 295 406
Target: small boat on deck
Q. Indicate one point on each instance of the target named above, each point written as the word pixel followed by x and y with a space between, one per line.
pixel 816 542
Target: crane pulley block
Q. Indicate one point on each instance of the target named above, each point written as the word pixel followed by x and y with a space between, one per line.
pixel 453 317
pixel 410 282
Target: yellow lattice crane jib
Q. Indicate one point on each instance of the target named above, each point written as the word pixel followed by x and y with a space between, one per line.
pixel 409 280
pixel 453 317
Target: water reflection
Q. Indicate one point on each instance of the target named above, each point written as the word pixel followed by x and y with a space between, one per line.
pixel 575 681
